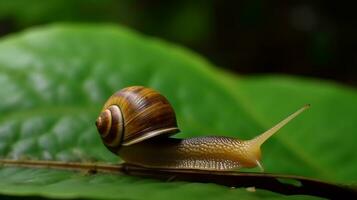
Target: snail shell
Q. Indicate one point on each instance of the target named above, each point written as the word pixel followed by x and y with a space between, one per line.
pixel 135 114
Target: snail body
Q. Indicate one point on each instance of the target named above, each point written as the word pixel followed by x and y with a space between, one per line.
pixel 136 122
pixel 209 153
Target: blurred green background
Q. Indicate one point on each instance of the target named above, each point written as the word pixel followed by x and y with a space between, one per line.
pixel 309 38
pixel 55 78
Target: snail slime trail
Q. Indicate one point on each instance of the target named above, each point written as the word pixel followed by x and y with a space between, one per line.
pixel 136 123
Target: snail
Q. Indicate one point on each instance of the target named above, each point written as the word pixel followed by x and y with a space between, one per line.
pixel 136 123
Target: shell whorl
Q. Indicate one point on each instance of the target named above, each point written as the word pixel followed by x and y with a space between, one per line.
pixel 134 114
pixel 110 126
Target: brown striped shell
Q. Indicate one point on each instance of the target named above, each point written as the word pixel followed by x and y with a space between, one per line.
pixel 134 114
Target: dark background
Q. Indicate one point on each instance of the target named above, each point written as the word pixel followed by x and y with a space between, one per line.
pixel 306 38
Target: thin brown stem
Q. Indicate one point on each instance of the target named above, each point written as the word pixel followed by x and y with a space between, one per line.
pixel 284 184
pixel 75 166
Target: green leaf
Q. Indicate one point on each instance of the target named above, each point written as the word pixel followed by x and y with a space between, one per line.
pixel 55 80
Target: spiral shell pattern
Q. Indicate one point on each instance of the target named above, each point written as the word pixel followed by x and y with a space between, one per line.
pixel 134 114
pixel 110 126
